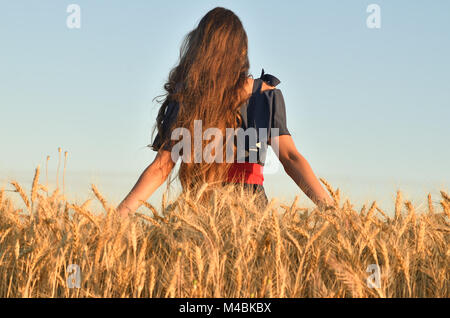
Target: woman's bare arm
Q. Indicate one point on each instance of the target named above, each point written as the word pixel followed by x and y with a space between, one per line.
pixel 299 170
pixel 150 180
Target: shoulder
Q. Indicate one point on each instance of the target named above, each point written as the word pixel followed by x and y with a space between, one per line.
pixel 267 92
pixel 271 93
pixel 251 82
pixel 269 84
pixel 266 87
pixel 265 83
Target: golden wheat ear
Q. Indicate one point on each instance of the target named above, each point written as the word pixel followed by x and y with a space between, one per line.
pixel 34 185
pixel 445 196
pixel 22 194
pixel 57 170
pixel 64 172
pixel 334 194
pixel 100 197
pixel 398 205
pixel 46 172
pixel 430 204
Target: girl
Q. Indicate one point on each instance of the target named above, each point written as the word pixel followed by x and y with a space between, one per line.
pixel 211 83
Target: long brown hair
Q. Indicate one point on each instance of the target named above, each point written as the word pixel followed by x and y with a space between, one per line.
pixel 208 84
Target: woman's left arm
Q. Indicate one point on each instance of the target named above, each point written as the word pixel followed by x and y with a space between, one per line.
pixel 152 177
pixel 298 168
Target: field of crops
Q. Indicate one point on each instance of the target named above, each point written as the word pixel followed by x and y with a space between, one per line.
pixel 224 248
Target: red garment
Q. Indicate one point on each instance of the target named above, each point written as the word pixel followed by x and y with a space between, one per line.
pixel 251 172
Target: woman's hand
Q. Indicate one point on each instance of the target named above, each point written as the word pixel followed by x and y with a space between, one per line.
pixel 123 210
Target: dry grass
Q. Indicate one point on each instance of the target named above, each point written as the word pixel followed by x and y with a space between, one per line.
pixel 227 248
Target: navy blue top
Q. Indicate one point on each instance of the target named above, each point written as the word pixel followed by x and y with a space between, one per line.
pixel 264 109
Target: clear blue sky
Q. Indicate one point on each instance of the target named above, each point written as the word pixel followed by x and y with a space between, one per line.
pixel 368 108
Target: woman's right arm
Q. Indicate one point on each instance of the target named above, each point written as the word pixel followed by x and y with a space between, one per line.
pixel 150 180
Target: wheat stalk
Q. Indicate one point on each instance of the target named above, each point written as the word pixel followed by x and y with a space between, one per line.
pixel 64 172
pixel 398 205
pixel 445 196
pixel 86 214
pixel 34 186
pixel 100 197
pixel 222 248
pixel 22 194
pixel 430 204
pixel 57 170
pixel 334 194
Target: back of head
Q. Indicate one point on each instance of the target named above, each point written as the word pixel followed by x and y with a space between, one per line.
pixel 208 83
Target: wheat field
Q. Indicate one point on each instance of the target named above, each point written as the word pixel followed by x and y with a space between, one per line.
pixel 226 248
